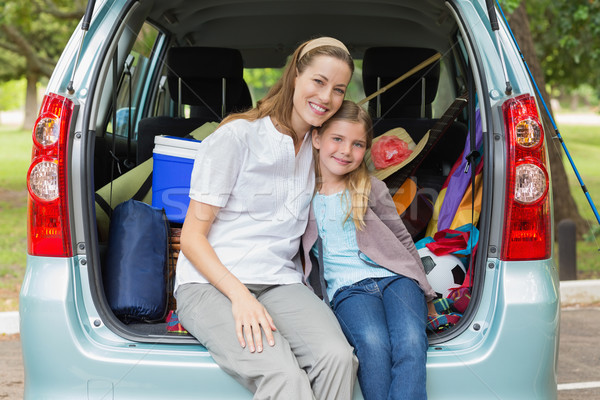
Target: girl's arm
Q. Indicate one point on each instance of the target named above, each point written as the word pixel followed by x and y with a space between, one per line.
pixel 248 313
pixel 383 206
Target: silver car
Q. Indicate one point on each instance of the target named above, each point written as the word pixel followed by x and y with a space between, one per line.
pixel 144 76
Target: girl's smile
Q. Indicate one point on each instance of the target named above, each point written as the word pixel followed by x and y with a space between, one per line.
pixel 343 162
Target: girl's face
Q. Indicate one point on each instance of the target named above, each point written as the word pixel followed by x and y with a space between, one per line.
pixel 319 92
pixel 342 147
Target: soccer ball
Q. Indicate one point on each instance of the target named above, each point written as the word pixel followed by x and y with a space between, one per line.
pixel 443 272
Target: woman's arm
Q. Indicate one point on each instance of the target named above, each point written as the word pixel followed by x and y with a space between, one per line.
pixel 248 313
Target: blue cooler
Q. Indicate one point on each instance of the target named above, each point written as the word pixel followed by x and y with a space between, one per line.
pixel 172 169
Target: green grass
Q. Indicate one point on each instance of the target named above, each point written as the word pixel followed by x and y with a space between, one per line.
pixel 15 151
pixel 588 260
pixel 15 157
pixel 583 143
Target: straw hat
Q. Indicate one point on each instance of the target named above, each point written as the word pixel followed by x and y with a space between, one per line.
pixel 405 137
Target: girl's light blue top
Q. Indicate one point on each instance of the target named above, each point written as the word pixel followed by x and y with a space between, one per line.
pixel 343 263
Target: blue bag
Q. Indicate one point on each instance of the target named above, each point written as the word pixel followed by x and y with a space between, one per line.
pixel 135 270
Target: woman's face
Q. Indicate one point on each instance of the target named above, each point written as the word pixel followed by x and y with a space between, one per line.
pixel 319 92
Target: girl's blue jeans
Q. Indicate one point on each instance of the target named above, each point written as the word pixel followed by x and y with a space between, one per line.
pixel 384 319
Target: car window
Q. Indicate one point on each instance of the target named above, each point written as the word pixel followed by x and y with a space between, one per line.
pixel 133 81
pixel 447 87
pixel 260 80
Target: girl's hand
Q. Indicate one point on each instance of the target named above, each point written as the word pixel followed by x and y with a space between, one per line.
pixel 250 316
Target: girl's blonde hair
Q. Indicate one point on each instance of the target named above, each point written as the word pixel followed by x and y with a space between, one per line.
pixel 358 182
pixel 279 101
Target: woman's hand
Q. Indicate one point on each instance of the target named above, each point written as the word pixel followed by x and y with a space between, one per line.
pixel 248 313
pixel 250 316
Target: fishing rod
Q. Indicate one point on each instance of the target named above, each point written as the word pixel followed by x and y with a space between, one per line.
pixel 556 131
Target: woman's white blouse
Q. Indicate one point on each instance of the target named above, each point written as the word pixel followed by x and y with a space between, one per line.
pixel 249 169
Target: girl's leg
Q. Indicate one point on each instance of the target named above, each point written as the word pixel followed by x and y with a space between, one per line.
pixel 315 337
pixel 274 373
pixel 360 310
pixel 406 313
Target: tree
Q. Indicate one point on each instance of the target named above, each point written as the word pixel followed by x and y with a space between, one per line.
pixel 566 34
pixel 33 34
pixel 564 205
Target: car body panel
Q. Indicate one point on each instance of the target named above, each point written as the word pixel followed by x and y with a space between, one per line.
pixel 507 347
pixel 512 339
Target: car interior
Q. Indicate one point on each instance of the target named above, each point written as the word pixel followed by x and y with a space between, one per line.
pixel 186 63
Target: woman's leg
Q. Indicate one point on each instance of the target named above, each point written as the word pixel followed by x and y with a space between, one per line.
pixel 274 373
pixel 406 314
pixel 315 337
pixel 360 311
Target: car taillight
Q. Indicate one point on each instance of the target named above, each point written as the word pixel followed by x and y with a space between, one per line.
pixel 48 228
pixel 527 231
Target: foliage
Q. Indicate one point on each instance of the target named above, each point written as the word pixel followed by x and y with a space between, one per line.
pixel 566 34
pixel 12 94
pixel 33 33
pixel 508 6
pixel 145 41
pixel 11 67
pixel 260 80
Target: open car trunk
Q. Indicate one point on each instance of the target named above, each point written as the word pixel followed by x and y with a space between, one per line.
pixel 162 81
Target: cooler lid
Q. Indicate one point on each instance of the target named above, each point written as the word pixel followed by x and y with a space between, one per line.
pixel 176 146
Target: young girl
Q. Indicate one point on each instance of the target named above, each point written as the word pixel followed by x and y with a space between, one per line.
pixel 238 277
pixel 368 263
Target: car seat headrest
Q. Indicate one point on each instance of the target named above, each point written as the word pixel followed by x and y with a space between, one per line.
pixel 203 71
pixel 406 98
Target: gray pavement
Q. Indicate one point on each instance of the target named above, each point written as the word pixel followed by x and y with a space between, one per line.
pixel 579 354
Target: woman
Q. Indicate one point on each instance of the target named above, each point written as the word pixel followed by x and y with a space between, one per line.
pixel 239 279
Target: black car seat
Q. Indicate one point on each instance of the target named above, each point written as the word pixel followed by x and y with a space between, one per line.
pixel 209 80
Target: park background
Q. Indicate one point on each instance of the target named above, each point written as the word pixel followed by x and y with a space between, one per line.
pixel 560 41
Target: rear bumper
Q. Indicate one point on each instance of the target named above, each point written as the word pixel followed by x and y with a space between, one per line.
pixel 508 351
